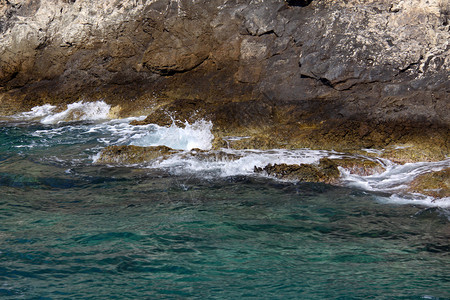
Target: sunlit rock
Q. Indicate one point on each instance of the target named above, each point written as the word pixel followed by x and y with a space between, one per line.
pixel 359 166
pixel 435 184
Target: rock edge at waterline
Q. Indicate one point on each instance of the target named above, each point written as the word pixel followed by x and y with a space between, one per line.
pixel 434 184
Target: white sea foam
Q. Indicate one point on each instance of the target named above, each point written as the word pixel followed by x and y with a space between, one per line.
pixel 78 111
pixel 228 162
pixel 395 178
pixel 36 113
pixel 416 199
pixel 197 135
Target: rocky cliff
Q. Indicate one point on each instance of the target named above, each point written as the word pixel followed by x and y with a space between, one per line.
pixel 299 73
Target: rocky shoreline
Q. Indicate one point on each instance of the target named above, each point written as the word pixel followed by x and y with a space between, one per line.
pixel 284 74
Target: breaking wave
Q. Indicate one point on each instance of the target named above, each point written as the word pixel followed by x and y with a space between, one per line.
pixel 78 111
pixel 198 135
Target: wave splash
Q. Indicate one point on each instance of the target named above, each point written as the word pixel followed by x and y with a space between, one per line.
pixel 78 111
pixel 196 135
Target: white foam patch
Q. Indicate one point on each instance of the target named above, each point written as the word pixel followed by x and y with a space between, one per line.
pixel 416 199
pixel 197 135
pixel 395 178
pixel 79 111
pixel 228 162
pixel 36 113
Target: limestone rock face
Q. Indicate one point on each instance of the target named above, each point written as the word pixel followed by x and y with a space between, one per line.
pixel 372 72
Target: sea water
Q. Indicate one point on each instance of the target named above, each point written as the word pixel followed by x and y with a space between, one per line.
pixel 201 227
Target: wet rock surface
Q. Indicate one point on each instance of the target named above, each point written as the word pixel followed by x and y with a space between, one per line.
pixel 210 156
pixel 326 171
pixel 129 154
pixel 287 74
pixel 359 166
pixel 435 184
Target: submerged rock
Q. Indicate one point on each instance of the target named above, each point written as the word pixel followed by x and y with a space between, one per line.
pixel 130 154
pixel 435 184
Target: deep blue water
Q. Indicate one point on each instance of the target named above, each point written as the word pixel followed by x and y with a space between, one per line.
pixel 70 229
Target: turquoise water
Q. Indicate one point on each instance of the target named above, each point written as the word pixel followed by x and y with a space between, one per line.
pixel 70 229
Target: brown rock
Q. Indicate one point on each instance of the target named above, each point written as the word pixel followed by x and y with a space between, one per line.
pixel 173 52
pixel 359 166
pixel 326 172
pixel 435 184
pixel 132 154
pixel 426 149
pixel 159 118
pixel 211 156
pixel 176 112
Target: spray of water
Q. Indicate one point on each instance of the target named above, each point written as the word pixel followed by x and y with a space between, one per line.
pixel 78 111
